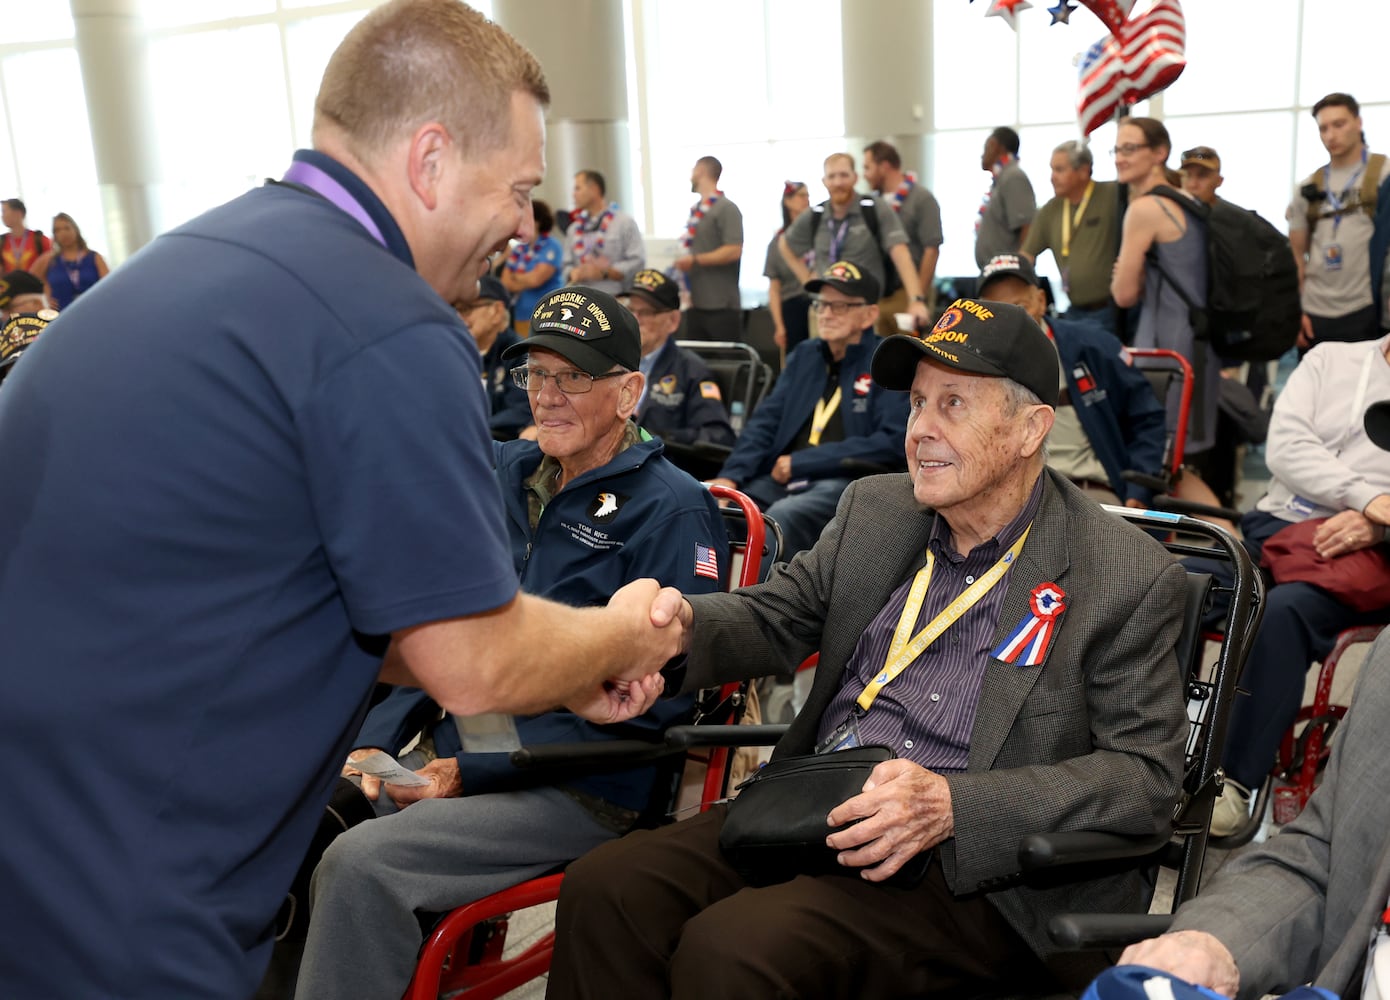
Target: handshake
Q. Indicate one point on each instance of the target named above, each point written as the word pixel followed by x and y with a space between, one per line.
pixel 650 626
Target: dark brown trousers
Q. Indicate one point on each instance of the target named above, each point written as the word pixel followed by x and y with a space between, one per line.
pixel 660 913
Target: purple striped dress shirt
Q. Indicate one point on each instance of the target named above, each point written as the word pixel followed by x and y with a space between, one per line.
pixel 927 713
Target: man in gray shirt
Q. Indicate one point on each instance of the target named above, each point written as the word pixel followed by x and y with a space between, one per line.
pixel 837 230
pixel 711 249
pixel 920 215
pixel 1009 207
pixel 603 246
pixel 1330 227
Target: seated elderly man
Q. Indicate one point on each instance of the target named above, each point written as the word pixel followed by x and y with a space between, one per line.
pixel 823 412
pixel 489 321
pixel 923 582
pixel 1303 906
pixel 1322 464
pixel 682 403
pixel 1109 421
pixel 591 506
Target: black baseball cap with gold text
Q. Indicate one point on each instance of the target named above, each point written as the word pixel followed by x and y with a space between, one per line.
pixel 976 336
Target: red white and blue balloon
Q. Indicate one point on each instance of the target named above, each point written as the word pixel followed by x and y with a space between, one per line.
pixel 1138 59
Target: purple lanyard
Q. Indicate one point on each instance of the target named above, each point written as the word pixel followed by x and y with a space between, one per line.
pixel 309 176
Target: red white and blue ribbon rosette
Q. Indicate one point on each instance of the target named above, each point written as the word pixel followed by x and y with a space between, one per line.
pixel 1027 645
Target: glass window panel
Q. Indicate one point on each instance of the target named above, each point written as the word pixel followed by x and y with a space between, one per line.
pixel 1048 59
pixel 805 94
pixel 1238 57
pixel 959 185
pixel 1343 49
pixel 309 44
pixel 1256 152
pixel 718 107
pixel 56 169
pixel 963 96
pixel 38 21
pixel 214 140
pixel 177 13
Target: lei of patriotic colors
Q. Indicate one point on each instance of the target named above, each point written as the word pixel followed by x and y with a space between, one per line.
pixel 1004 160
pixel 604 221
pixel 904 189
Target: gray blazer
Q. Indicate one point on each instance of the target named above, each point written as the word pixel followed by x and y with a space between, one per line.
pixel 1301 907
pixel 1091 739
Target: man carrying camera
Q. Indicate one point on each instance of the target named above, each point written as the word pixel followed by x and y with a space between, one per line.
pixel 1331 222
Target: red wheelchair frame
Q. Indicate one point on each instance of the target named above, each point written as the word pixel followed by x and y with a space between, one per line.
pixel 464 950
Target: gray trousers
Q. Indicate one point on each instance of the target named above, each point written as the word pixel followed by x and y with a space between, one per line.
pixel 435 854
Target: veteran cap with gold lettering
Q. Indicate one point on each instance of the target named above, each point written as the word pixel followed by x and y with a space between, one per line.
pixel 19 333
pixel 976 336
pixel 654 287
pixel 847 278
pixel 585 326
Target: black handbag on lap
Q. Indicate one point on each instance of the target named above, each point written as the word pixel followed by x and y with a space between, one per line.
pixel 775 829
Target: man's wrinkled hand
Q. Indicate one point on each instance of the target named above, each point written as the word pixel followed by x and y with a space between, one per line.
pixel 442 773
pixel 1195 956
pixel 903 810
pixel 619 701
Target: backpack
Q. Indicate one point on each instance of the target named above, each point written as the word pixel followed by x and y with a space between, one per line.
pixel 867 210
pixel 1314 190
pixel 1253 310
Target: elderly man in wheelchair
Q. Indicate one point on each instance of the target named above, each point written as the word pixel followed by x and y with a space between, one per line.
pixel 591 506
pixel 1010 642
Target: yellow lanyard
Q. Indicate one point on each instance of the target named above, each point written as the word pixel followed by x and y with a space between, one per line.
pixel 1068 222
pixel 903 651
pixel 825 409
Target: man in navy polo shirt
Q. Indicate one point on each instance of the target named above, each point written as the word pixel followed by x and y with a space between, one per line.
pixel 232 471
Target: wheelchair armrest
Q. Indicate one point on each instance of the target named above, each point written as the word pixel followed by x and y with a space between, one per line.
pixel 1088 931
pixel 1050 850
pixel 686 737
pixel 589 753
pixel 1193 509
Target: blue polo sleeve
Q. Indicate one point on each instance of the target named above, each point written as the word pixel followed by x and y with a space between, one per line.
pixel 399 459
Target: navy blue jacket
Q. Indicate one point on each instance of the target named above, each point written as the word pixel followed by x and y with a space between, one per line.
pixel 874 418
pixel 1122 417
pixel 683 403
pixel 580 553
pixel 510 407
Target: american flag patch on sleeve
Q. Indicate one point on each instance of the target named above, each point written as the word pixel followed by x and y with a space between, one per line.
pixel 706 561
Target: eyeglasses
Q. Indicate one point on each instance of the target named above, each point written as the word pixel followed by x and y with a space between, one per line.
pixel 835 308
pixel 571 383
pixel 646 315
pixel 1128 149
pixel 1198 154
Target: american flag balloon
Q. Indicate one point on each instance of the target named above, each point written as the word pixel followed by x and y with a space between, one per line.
pixel 1112 12
pixel 1144 56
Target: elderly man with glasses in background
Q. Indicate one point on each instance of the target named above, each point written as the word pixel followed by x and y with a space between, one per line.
pixel 591 505
pixel 826 420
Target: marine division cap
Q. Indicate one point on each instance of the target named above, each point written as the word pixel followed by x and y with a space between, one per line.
pixel 585 326
pixel 980 337
pixel 845 277
pixel 656 288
